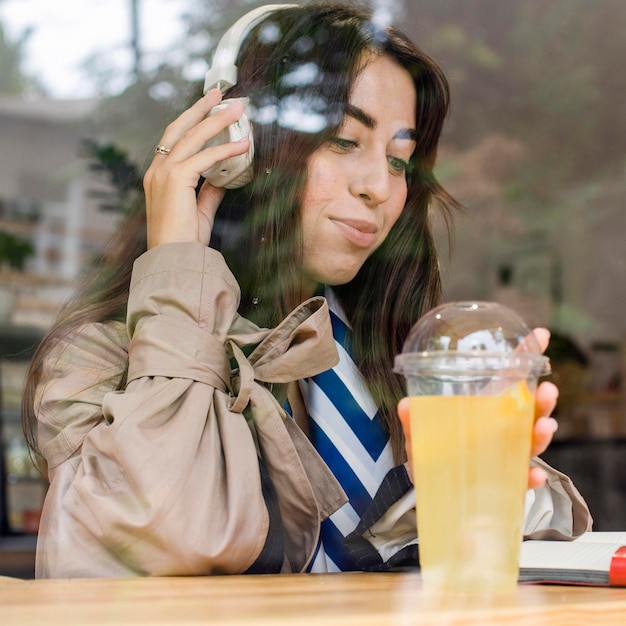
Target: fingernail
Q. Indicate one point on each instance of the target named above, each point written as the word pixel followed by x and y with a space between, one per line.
pixel 554 424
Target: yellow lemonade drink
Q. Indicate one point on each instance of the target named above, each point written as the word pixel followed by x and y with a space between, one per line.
pixel 470 467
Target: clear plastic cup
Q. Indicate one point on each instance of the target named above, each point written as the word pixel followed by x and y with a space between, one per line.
pixel 471 370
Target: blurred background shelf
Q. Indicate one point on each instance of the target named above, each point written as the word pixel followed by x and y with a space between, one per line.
pixel 22 489
pixel 17 556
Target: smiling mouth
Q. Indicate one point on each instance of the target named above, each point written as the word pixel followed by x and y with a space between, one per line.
pixel 360 233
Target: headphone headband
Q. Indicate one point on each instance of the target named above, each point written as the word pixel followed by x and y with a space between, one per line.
pixel 223 70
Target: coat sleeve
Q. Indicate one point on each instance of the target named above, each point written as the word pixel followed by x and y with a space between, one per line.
pixel 385 537
pixel 139 481
pixel 555 511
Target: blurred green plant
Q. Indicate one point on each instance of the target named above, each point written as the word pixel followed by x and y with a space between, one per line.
pixel 13 79
pixel 121 173
pixel 14 250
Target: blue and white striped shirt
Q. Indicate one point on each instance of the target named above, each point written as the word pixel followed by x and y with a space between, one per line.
pixel 347 431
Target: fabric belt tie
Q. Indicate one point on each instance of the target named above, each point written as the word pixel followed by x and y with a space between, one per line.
pixel 301 346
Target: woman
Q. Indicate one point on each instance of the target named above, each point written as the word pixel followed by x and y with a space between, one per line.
pixel 158 399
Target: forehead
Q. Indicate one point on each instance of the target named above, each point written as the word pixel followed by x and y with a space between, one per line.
pixel 385 90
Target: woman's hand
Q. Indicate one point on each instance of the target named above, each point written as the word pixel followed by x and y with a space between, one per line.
pixel 174 213
pixel 544 427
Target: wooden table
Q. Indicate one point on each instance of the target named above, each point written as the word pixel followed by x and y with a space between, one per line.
pixel 358 599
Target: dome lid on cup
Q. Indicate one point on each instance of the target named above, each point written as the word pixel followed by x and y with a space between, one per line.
pixel 470 330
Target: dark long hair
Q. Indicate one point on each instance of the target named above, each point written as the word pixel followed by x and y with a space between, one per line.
pixel 307 59
pixel 298 67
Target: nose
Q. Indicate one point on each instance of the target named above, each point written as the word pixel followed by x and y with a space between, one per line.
pixel 372 180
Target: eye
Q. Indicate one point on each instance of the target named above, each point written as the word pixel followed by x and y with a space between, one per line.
pixel 343 144
pixel 398 166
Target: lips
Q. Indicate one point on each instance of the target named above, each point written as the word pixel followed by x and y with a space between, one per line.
pixel 359 232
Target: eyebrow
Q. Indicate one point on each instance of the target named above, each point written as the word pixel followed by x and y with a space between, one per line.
pixel 369 122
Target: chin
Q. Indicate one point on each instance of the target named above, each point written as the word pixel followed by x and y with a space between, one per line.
pixel 337 274
pixel 342 278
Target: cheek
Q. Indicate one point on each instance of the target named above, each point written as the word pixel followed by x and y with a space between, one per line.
pixel 309 211
pixel 394 210
pixel 319 191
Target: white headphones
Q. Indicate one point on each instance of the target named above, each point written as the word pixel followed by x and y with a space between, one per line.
pixel 236 171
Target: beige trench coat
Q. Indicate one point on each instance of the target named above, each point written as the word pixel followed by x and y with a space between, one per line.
pixel 163 477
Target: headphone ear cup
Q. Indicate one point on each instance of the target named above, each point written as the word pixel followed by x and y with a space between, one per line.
pixel 236 171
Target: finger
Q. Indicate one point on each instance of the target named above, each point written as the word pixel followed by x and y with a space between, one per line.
pixel 536 477
pixel 539 336
pixel 189 118
pixel 542 335
pixel 207 158
pixel 195 138
pixel 543 432
pixel 544 426
pixel 404 415
pixel 546 398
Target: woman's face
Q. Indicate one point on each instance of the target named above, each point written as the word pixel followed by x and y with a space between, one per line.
pixel 357 185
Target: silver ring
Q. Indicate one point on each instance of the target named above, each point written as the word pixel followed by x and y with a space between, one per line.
pixel 162 150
